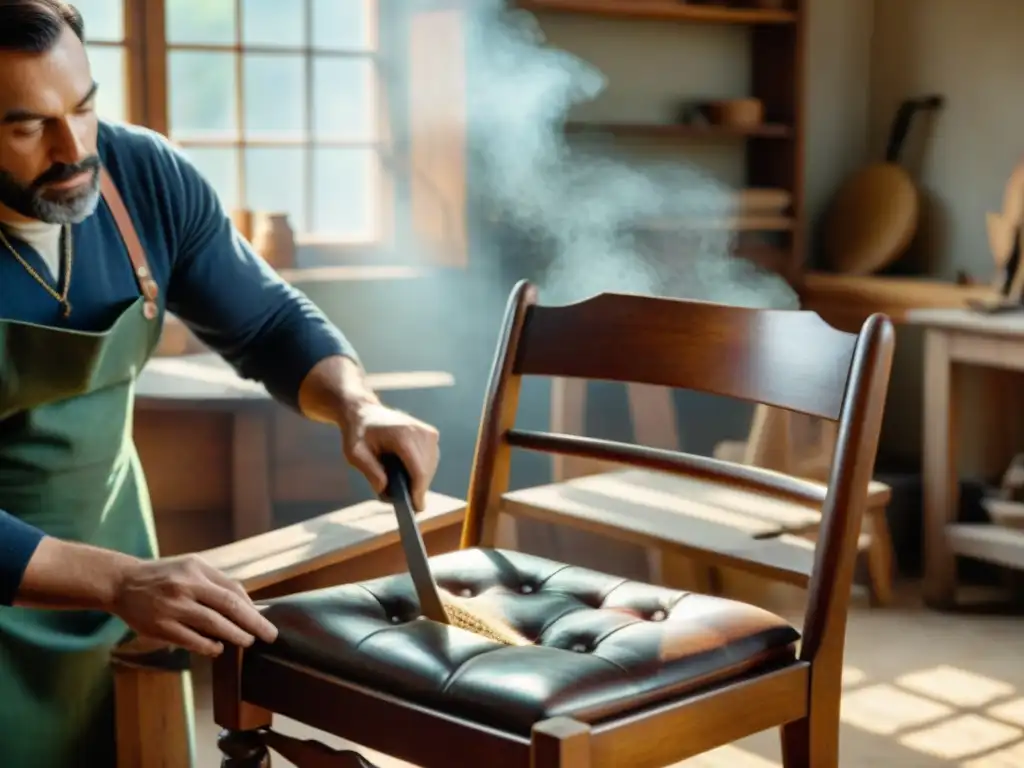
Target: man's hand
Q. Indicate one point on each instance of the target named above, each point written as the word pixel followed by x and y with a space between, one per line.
pixel 180 601
pixel 185 602
pixel 336 392
pixel 374 429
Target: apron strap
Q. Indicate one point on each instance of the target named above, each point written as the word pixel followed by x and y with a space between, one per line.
pixel 140 265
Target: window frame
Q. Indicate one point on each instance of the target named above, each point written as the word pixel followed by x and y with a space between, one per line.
pixel 422 178
pixel 147 57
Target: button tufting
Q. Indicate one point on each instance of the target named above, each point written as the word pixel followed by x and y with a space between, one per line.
pixel 580 656
pixel 466 592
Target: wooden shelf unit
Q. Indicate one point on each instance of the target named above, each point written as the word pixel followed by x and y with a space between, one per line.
pixel 775 150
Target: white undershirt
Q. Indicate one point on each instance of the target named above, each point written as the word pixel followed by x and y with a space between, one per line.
pixel 44 238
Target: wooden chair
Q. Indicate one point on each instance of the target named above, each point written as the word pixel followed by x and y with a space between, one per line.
pixel 151 682
pixel 621 673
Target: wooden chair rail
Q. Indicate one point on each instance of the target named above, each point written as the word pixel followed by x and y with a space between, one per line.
pixel 611 744
pixel 772 484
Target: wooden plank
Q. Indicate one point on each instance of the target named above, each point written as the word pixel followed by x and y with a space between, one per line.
pixel 991 543
pixel 849 299
pixel 1008 324
pixel 209 378
pixel 323 541
pixel 712 523
pixel 661 10
pixel 655 500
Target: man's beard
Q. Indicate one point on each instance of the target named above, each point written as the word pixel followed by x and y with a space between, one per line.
pixel 54 206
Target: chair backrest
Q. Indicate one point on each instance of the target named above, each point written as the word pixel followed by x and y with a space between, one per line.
pixel 786 358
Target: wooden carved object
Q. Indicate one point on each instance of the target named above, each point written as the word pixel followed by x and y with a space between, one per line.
pixel 1004 226
pixel 1006 240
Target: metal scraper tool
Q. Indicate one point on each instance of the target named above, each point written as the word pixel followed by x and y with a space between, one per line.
pixel 398 495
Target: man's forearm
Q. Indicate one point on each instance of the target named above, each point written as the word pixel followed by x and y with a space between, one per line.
pixel 335 390
pixel 69 576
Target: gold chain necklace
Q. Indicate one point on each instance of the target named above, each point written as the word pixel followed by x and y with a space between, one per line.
pixel 62 297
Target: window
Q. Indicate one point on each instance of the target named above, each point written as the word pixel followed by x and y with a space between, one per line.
pixel 278 103
pixel 314 108
pixel 108 54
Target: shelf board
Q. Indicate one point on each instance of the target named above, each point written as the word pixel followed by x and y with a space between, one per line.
pixel 990 543
pixel 739 223
pixel 665 131
pixel 349 274
pixel 661 10
pixel 848 300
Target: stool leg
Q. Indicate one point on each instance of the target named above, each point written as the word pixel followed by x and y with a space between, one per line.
pixel 880 558
pixel 560 743
pixel 243 749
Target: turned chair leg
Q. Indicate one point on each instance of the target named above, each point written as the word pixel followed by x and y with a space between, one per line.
pixel 243 749
pixel 560 743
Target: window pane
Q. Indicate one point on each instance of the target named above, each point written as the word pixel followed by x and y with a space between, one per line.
pixel 104 19
pixel 275 95
pixel 275 22
pixel 275 183
pixel 344 103
pixel 220 167
pixel 107 64
pixel 202 94
pixel 346 198
pixel 346 25
pixel 201 21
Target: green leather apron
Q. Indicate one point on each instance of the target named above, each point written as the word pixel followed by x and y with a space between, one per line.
pixel 68 466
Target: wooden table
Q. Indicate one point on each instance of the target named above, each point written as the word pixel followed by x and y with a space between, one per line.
pixel 178 386
pixel 955 339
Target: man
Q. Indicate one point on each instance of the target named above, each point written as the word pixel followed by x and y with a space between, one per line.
pixel 103 228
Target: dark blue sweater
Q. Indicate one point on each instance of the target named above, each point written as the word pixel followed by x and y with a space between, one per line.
pixel 209 276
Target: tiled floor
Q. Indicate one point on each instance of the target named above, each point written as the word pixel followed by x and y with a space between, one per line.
pixel 922 690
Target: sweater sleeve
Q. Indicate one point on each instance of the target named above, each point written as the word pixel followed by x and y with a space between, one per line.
pixel 234 302
pixel 18 542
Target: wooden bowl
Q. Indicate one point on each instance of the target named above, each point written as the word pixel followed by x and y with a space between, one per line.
pixel 736 113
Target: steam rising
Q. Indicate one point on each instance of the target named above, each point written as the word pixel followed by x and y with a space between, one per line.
pixel 581 206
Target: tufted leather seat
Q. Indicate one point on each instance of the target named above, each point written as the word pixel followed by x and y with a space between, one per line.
pixel 604 645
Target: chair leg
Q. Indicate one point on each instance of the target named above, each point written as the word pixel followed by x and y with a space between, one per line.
pixel 796 744
pixel 243 749
pixel 812 742
pixel 560 743
pixel 153 695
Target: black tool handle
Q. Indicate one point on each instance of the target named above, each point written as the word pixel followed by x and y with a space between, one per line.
pixel 901 125
pixel 398 495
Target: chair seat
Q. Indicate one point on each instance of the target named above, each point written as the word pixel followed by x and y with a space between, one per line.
pixel 603 646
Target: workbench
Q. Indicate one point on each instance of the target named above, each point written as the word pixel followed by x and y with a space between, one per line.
pixel 212 442
pixel 956 340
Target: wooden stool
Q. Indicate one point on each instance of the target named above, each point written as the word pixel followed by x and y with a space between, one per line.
pixel 795 444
